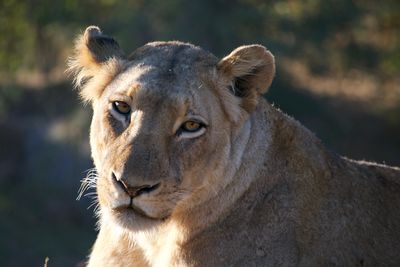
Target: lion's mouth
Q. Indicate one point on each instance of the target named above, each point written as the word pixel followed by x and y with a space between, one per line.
pixel 140 201
pixel 130 210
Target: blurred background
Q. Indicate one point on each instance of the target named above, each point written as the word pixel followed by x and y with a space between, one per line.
pixel 338 73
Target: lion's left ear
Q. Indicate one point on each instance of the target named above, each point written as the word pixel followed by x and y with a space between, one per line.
pixel 249 71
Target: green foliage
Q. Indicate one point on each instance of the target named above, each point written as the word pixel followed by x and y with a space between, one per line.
pixel 14 29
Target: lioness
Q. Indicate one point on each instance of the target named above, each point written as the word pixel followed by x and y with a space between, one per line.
pixel 195 168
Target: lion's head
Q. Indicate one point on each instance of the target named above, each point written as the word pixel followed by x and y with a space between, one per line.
pixel 166 121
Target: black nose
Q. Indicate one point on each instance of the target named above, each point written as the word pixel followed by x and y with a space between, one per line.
pixel 134 191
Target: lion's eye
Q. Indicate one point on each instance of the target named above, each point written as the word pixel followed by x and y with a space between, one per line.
pixel 191 126
pixel 121 107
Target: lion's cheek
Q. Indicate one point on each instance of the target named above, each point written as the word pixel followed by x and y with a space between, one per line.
pixel 103 193
pixel 98 146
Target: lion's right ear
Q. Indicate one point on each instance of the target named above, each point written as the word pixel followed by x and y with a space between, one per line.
pixel 96 55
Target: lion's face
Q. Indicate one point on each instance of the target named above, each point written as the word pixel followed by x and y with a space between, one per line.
pixel 159 133
pixel 165 121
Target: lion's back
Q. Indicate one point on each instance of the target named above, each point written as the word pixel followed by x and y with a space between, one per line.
pixel 359 221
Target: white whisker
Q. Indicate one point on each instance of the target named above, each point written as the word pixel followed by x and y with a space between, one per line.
pixel 89 183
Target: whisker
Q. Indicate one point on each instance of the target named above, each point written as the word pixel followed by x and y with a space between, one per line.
pixel 95 202
pixel 90 194
pixel 88 188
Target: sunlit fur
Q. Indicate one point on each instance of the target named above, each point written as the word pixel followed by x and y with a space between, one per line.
pixel 255 189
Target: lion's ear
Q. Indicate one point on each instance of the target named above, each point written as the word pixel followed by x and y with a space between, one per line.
pixel 95 54
pixel 249 71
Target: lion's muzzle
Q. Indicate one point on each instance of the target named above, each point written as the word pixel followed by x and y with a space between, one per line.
pixel 134 190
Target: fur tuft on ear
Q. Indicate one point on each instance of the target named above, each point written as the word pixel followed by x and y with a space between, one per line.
pixel 249 71
pixel 95 55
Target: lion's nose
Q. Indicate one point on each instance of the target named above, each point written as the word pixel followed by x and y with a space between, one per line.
pixel 134 191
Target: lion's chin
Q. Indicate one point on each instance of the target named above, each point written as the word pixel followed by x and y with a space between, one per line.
pixel 134 219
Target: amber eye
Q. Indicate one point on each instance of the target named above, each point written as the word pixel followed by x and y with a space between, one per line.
pixel 121 107
pixel 191 126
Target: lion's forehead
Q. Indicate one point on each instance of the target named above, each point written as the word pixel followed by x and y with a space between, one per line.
pixel 150 83
pixel 170 56
pixel 170 64
pixel 143 81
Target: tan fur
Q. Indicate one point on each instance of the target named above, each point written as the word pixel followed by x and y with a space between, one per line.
pixel 85 66
pixel 256 189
